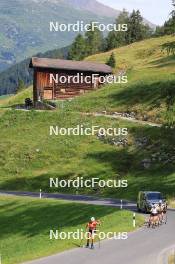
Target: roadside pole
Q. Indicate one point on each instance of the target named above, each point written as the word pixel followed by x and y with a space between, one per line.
pixel 121 204
pixel 40 194
pixel 134 220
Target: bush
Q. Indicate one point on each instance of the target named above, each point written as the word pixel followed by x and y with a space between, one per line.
pixel 111 61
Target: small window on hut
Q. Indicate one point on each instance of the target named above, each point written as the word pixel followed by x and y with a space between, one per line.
pixel 48 94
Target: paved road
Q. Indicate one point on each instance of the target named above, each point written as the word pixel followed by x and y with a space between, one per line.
pixel 77 198
pixel 142 247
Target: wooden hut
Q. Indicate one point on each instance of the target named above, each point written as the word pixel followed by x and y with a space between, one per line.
pixel 46 69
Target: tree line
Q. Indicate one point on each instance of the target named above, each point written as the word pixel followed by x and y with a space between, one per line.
pixel 169 26
pixel 93 41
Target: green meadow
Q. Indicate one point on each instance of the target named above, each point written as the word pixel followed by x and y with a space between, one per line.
pixel 29 155
pixel 25 225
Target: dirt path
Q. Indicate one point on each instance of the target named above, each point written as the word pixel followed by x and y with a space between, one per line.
pixel 130 119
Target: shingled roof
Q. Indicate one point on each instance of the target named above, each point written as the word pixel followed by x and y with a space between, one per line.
pixel 82 66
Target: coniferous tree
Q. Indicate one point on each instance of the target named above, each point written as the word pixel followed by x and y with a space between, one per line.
pixel 78 49
pixel 173 12
pixel 116 39
pixel 147 32
pixel 135 27
pixel 111 61
pixel 173 17
pixel 160 31
pixel 169 26
pixel 94 40
pixel 112 41
pixel 90 43
pixel 137 30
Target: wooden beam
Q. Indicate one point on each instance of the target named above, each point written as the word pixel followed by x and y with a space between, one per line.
pixel 35 92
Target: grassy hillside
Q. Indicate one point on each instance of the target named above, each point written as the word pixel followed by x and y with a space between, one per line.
pixel 146 54
pixel 29 156
pixel 150 74
pixel 25 224
pixel 12 100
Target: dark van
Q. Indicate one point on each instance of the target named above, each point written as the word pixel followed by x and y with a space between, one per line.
pixel 146 200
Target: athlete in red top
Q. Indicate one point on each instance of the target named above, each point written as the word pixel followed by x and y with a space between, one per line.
pixel 91 226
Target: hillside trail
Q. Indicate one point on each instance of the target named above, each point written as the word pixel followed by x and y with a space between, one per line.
pixel 118 116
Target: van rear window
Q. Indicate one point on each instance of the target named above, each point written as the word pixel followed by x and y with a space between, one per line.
pixel 154 196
